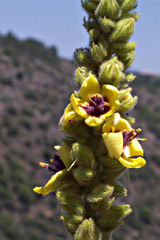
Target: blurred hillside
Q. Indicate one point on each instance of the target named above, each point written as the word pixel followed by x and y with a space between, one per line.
pixel 35 85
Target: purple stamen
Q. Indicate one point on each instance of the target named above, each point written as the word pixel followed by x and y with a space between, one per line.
pixel 128 137
pixel 98 105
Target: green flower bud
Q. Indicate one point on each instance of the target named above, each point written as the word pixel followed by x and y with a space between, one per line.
pixel 99 52
pixel 72 222
pixel 134 15
pixel 83 155
pixel 81 74
pixel 83 175
pixel 94 35
pixel 123 48
pixel 106 24
pixel 128 5
pixel 123 30
pixel 88 230
pixel 89 6
pixel 128 58
pixel 112 218
pixel 83 57
pixel 119 190
pixel 123 92
pixel 111 72
pixel 71 202
pixel 127 103
pixel 90 24
pixel 108 8
pixel 99 197
pixel 110 174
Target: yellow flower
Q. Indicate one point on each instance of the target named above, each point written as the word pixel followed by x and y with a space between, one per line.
pixel 95 103
pixel 121 142
pixel 68 116
pixel 53 184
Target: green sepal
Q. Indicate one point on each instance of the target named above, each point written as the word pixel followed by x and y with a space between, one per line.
pixel 112 218
pixel 123 30
pixel 88 230
pixel 90 24
pixel 128 5
pixel 99 52
pixel 122 48
pixel 83 175
pixel 119 189
pixel 81 74
pixel 123 92
pixel 111 72
pixel 106 24
pixel 89 6
pixel 83 155
pixel 134 15
pixel 72 222
pixel 127 58
pixel 71 201
pixel 94 35
pixel 82 57
pixel 129 77
pixel 128 103
pixel 108 8
pixel 99 198
pixel 76 128
pixel 110 174
pixel 131 120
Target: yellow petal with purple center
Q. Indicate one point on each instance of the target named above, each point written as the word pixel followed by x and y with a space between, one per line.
pixel 114 143
pixel 133 149
pixel 53 184
pixel 132 162
pixel 89 87
pixel 77 103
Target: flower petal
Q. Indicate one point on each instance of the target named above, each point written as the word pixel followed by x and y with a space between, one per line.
pixel 132 162
pixel 94 121
pixel 133 149
pixel 64 152
pixel 53 184
pixel 113 109
pixel 69 115
pixel 110 92
pixel 76 102
pixel 89 87
pixel 114 143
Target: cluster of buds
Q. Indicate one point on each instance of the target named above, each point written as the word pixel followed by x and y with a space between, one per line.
pixel 100 143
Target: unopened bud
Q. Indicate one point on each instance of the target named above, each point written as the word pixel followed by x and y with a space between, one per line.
pixel 127 103
pixel 99 52
pixel 88 230
pixel 123 30
pixel 128 5
pixel 134 15
pixel 72 222
pixel 111 72
pixel 106 24
pixel 81 74
pixel 122 48
pixel 108 8
pixel 83 175
pixel 89 6
pixel 128 58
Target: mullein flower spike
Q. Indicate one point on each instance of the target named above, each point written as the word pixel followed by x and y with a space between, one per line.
pixel 99 143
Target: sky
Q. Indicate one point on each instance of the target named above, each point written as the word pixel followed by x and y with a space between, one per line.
pixel 59 23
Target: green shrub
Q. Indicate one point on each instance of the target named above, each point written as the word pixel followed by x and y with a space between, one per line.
pixel 31 94
pixel 26 124
pixel 6 81
pixel 11 110
pixel 145 214
pixel 9 227
pixel 25 193
pixel 28 112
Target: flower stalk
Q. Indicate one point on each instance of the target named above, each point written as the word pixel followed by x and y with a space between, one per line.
pixel 100 143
